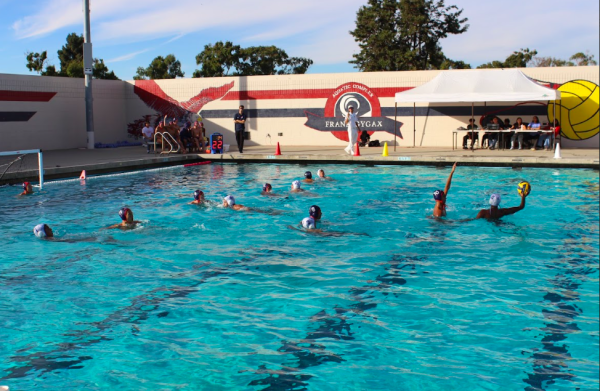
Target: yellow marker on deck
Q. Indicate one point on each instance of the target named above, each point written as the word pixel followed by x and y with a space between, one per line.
pixel 385 150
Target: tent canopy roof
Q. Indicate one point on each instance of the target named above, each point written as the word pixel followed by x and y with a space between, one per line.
pixel 493 85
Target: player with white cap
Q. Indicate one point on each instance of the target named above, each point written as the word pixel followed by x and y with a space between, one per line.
pixel 495 213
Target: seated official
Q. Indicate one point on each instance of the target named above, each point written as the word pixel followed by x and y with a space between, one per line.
pixel 517 135
pixel 533 137
pixel 492 138
pixel 472 135
pixel 546 137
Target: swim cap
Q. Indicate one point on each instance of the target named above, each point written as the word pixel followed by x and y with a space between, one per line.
pixel 308 175
pixel 197 194
pixel 25 184
pixel 123 213
pixel 267 186
pixel 437 195
pixel 495 199
pixel 40 230
pixel 296 185
pixel 230 200
pixel 320 171
pixel 308 223
pixel 315 212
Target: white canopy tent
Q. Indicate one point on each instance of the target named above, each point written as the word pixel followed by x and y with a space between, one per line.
pixel 482 85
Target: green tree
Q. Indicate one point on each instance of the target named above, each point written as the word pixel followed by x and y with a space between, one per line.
pixel 217 60
pixel 550 62
pixel 70 57
pixel 101 71
pixel 270 60
pixel 167 67
pixel 225 59
pixel 583 59
pixel 401 35
pixel 36 61
pixel 518 59
pixel 577 59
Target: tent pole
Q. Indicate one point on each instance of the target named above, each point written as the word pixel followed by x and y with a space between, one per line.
pixel 395 125
pixel 414 124
pixel 473 126
pixel 554 124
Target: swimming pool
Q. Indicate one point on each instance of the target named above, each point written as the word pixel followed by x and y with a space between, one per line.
pixel 208 298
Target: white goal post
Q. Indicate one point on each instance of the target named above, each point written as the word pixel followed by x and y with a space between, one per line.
pixel 28 151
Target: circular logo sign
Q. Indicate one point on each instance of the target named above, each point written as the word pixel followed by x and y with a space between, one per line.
pixel 365 103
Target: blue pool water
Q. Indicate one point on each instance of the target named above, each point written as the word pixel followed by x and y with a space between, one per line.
pixel 212 299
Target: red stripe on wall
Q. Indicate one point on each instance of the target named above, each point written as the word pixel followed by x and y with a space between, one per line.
pixel 386 92
pixel 25 96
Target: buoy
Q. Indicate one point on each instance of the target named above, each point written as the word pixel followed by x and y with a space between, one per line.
pixel 557 152
pixel 197 164
pixel 278 150
pixel 357 150
pixel 82 176
pixel 385 150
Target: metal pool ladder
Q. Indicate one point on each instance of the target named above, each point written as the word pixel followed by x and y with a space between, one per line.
pixel 165 138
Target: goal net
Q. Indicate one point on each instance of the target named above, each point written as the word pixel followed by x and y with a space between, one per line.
pixel 13 162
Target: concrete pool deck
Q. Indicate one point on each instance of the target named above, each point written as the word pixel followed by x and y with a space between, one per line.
pixel 69 163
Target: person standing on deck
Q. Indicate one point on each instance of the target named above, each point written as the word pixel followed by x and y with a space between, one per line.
pixel 353 129
pixel 240 127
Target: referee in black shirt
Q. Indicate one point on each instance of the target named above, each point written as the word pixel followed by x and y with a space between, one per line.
pixel 240 127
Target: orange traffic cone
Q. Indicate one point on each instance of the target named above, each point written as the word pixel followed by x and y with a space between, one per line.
pixel 357 151
pixel 82 176
pixel 278 150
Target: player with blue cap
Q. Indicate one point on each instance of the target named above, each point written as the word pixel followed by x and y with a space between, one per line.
pixel 127 222
pixel 267 189
pixel 439 196
pixel 27 189
pixel 308 177
pixel 198 197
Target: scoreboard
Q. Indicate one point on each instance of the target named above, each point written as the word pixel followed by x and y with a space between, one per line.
pixel 216 143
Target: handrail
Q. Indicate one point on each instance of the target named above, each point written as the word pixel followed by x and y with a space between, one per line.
pixel 165 139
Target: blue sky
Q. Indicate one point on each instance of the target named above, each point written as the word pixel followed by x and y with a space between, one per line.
pixel 130 33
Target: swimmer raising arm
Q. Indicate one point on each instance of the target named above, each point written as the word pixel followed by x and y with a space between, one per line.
pixel 440 196
pixel 495 213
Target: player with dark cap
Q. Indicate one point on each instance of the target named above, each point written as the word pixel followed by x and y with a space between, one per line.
pixel 440 197
pixel 308 177
pixel 198 198
pixel 27 189
pixel 128 222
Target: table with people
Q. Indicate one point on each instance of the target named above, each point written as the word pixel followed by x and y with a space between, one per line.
pixel 498 134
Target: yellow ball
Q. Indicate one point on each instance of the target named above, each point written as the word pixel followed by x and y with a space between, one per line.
pixel 577 111
pixel 524 188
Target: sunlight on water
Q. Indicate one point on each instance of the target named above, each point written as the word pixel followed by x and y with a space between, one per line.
pixel 208 298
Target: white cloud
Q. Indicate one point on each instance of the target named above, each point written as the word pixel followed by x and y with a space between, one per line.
pixel 126 57
pixel 555 28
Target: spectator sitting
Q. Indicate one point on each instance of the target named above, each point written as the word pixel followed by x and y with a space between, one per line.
pixel 198 136
pixel 364 138
pixel 185 136
pixel 517 135
pixel 533 136
pixel 471 135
